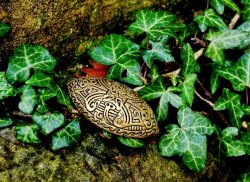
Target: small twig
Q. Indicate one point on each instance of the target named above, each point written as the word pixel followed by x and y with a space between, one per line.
pixel 234 21
pixel 207 93
pixel 18 113
pixel 205 100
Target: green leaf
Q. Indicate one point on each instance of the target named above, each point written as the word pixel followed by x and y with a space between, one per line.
pixel 246 11
pixel 239 73
pixel 4 28
pixel 189 65
pixel 246 28
pixel 246 110
pixel 27 57
pixel 48 122
pixel 159 51
pixel 188 140
pixel 223 39
pixel 214 80
pixel 209 19
pixel 231 5
pixel 131 142
pixel 187 31
pixel 121 54
pixel 61 95
pixel 6 90
pixel 5 122
pixel 153 23
pixel 218 6
pixel 162 108
pixel 27 133
pixel 187 92
pixel 153 91
pixel 68 136
pixel 231 102
pixel 40 79
pixel 231 146
pixel 29 99
pixel 45 94
pixel 154 73
pixel 245 140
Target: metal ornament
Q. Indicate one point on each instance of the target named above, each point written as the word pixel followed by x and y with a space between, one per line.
pixel 113 107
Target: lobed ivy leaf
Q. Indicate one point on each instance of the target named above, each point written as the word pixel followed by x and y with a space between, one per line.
pixel 121 54
pixel 159 51
pixel 209 19
pixel 68 136
pixel 187 92
pixel 218 6
pixel 231 102
pixel 188 140
pixel 27 57
pixel 131 142
pixel 48 122
pixel 231 146
pixel 158 90
pixel 239 73
pixel 4 28
pixel 29 99
pixel 245 141
pixel 189 65
pixel 40 79
pixel 6 90
pixel 5 122
pixel 153 23
pixel 230 4
pixel 27 133
pixel 223 39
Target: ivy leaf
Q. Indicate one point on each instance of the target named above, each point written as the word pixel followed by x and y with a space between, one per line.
pixel 27 133
pixel 187 31
pixel 246 28
pixel 45 94
pixel 29 99
pixel 68 136
pixel 246 110
pixel 231 101
pixel 214 80
pixel 48 122
pixel 220 40
pixel 187 92
pixel 231 5
pixel 27 57
pixel 245 140
pixel 131 142
pixel 5 122
pixel 153 23
pixel 61 95
pixel 239 73
pixel 246 11
pixel 209 19
pixel 189 65
pixel 218 6
pixel 188 140
pixel 4 28
pixel 6 90
pixel 154 73
pixel 40 79
pixel 121 54
pixel 231 146
pixel 159 51
pixel 153 91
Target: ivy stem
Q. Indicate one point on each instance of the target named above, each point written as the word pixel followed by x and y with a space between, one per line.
pixel 207 93
pixel 205 100
pixel 18 113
